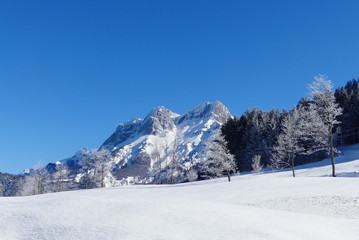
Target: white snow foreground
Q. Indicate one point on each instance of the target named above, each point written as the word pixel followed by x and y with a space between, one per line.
pixel 266 206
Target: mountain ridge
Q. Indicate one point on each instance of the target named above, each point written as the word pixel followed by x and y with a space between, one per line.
pixel 132 144
pixel 141 150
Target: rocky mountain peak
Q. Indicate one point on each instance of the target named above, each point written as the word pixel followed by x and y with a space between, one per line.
pixel 161 112
pixel 158 121
pixel 215 110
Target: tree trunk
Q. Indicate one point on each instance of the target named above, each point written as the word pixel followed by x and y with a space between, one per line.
pixel 331 147
pixel 172 176
pixel 166 171
pixel 229 176
pixel 86 179
pixel 159 174
pixel 102 175
pixel 292 164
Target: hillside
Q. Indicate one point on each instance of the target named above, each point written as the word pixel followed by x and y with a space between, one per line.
pixel 272 205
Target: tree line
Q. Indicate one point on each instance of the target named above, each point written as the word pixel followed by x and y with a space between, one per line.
pixel 309 132
pixel 89 171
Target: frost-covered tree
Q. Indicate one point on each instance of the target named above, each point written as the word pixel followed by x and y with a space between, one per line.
pixel 29 186
pixel 288 141
pixel 256 164
pixel 36 182
pixel 192 175
pixel 157 156
pixel 175 165
pixel 303 133
pixel 219 160
pixel 254 133
pixel 314 132
pixel 102 165
pixel 87 163
pixel 41 177
pixel 95 166
pixel 321 91
pixel 166 148
pixel 60 176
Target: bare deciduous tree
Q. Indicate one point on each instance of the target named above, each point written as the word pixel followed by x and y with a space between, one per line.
pixel 41 178
pixel 175 159
pixel 156 154
pixel 87 165
pixel 60 176
pixel 287 146
pixel 325 104
pixel 102 163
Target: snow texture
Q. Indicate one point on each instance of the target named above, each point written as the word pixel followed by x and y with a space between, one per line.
pixel 272 205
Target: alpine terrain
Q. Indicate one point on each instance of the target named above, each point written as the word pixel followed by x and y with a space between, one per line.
pixel 164 147
pixel 139 146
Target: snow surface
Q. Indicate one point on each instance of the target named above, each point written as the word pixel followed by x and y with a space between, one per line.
pixel 272 205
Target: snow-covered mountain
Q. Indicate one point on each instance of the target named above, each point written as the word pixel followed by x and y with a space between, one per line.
pixel 135 142
pixel 139 145
pixel 141 150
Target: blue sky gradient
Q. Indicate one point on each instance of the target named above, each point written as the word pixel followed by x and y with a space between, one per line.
pixel 71 71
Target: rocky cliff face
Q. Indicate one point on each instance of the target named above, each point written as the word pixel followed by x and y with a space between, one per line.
pixel 135 143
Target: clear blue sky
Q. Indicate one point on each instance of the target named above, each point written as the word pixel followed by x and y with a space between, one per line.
pixel 71 71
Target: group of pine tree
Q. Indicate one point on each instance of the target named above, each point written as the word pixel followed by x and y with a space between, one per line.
pixel 311 131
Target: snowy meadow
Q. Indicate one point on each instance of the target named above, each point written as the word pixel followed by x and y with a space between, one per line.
pixel 272 205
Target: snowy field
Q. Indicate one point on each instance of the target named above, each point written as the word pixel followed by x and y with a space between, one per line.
pixel 272 205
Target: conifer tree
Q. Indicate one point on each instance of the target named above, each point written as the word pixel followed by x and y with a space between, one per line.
pixel 219 160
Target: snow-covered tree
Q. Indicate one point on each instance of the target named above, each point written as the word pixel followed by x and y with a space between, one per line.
pixel 166 148
pixel 87 166
pixel 157 156
pixel 102 165
pixel 174 165
pixel 256 164
pixel 302 133
pixel 29 186
pixel 219 160
pixel 314 131
pixel 192 175
pixel 321 91
pixel 95 165
pixel 288 141
pixel 41 178
pixel 60 176
pixel 36 182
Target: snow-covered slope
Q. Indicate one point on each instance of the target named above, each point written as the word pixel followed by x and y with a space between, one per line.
pixel 268 206
pixel 134 142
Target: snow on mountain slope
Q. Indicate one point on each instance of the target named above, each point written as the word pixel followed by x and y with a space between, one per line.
pixel 134 142
pixel 266 206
